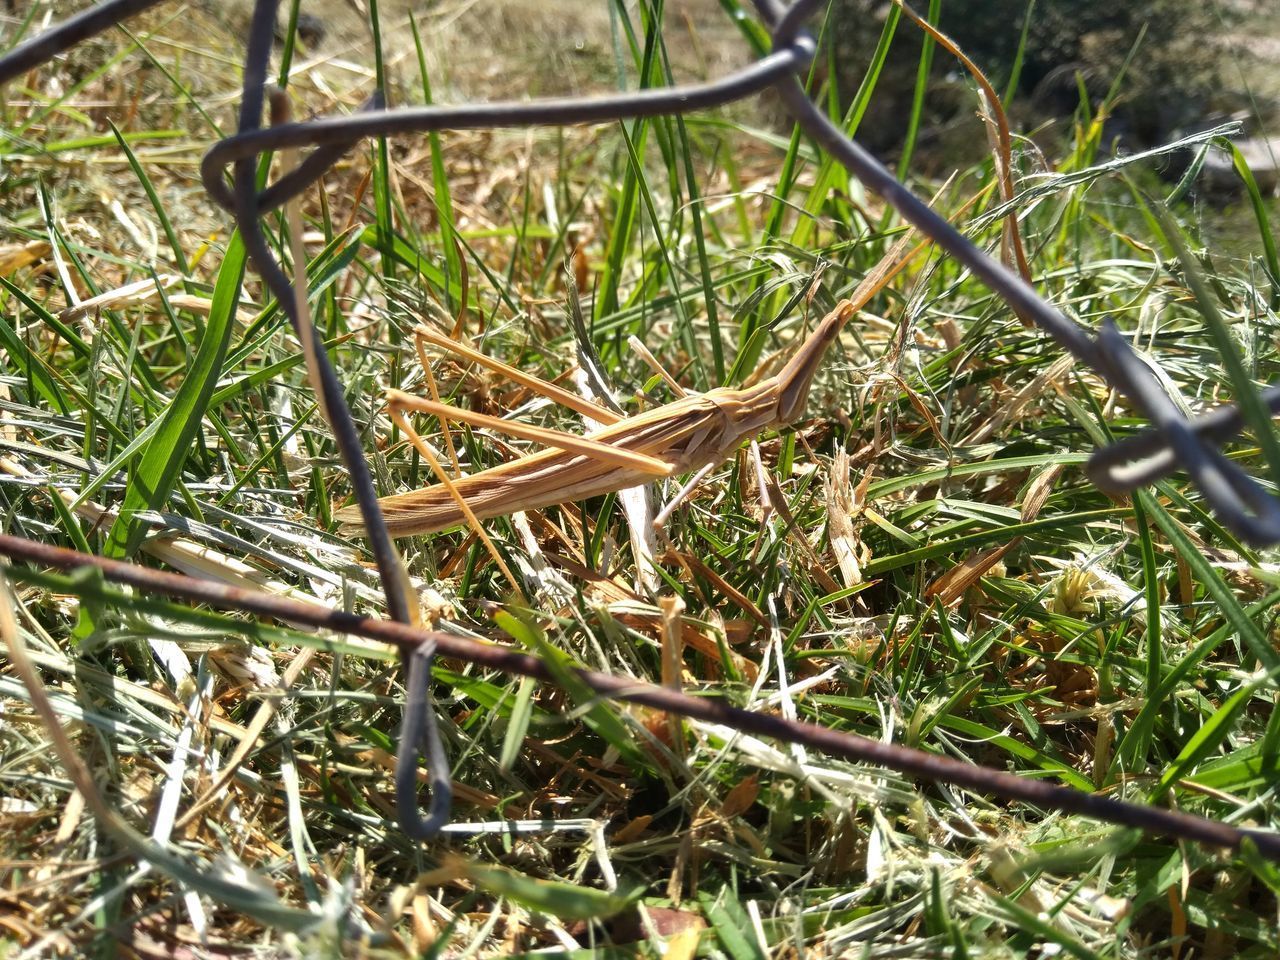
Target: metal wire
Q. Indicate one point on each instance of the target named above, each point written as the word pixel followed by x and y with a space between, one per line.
pixel 1172 442
pixel 248 216
pixel 932 767
pixel 45 46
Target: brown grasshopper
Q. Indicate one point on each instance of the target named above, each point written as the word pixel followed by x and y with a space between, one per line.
pixel 688 434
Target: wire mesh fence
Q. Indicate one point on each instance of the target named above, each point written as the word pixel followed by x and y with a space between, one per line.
pixel 1173 442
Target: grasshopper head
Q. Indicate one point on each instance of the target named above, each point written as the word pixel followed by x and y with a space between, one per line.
pixel 797 376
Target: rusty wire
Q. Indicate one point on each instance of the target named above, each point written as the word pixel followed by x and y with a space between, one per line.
pixel 1172 442
pixel 930 767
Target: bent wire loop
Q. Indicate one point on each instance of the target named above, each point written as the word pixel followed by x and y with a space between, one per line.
pixel 1172 442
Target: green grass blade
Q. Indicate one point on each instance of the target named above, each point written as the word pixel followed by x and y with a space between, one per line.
pixel 442 199
pixel 170 233
pixel 732 925
pixel 1209 578
pixel 1263 216
pixel 1256 415
pixel 151 482
pixel 923 66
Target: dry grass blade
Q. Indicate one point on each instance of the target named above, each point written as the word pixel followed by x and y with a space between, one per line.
pixel 255 898
pixel 1002 140
pixel 954 584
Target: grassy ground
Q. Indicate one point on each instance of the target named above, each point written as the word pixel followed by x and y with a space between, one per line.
pixel 935 570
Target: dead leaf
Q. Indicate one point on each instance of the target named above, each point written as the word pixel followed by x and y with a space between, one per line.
pixel 683 945
pixel 580 271
pixel 15 256
pixel 1038 492
pixel 739 800
pixel 841 508
pixel 950 587
pixel 632 830
pixel 130 294
pixel 425 931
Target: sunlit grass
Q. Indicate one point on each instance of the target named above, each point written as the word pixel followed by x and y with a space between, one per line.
pixel 925 562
